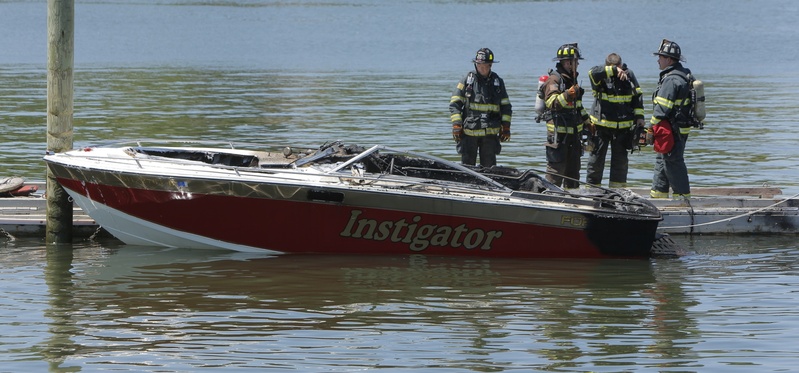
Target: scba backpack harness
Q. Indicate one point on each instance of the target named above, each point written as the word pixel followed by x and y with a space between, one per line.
pixel 545 114
pixel 696 93
pixel 664 134
pixel 469 93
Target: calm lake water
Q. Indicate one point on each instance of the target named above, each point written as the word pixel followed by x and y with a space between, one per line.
pixel 306 72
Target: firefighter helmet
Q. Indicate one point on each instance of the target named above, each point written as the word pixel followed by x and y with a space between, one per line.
pixel 568 52
pixel 484 55
pixel 669 49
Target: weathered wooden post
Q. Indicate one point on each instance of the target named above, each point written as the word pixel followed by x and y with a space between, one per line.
pixel 60 60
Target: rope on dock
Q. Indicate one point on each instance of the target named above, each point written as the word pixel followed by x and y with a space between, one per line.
pixel 692 226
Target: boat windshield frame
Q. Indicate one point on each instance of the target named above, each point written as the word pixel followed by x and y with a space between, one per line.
pixel 459 167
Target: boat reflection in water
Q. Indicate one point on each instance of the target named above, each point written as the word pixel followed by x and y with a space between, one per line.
pixel 226 307
pixel 345 199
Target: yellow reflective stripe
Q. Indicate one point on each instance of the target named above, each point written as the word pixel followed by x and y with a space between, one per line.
pixel 457 99
pixel 638 111
pixel 456 118
pixel 616 99
pixel 657 194
pixel 664 102
pixel 486 108
pixel 610 71
pixel 460 86
pixel 481 132
pixel 593 82
pixel 562 100
pixel 617 184
pixel 569 130
pixel 506 118
pixel 551 100
pixel 670 104
pixel 504 101
pixel 610 123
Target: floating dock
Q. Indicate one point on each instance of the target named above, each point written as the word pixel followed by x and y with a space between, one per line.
pixel 723 211
pixel 729 211
pixel 26 217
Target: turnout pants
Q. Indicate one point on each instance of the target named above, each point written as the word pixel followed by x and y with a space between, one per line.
pixel 564 160
pixel 486 146
pixel 618 140
pixel 670 170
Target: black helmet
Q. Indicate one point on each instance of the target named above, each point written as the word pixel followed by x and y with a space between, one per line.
pixel 484 55
pixel 669 49
pixel 568 52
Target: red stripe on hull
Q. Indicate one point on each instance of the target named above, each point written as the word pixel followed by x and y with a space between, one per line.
pixel 313 227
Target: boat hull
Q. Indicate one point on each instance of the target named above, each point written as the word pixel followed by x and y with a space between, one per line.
pixel 180 211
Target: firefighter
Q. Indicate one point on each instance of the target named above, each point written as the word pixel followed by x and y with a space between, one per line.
pixel 566 119
pixel 480 112
pixel 618 109
pixel 671 123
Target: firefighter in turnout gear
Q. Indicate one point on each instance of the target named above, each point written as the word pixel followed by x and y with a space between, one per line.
pixel 480 112
pixel 566 118
pixel 618 110
pixel 671 123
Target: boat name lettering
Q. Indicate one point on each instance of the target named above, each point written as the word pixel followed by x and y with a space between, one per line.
pixel 574 221
pixel 418 236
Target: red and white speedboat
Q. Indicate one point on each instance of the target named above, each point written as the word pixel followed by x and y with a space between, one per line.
pixel 345 199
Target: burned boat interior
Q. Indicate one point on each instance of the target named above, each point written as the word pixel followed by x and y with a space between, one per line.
pixel 385 161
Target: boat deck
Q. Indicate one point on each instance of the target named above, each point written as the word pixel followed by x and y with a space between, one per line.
pixel 762 210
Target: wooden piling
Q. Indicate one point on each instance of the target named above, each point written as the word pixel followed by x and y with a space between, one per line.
pixel 60 61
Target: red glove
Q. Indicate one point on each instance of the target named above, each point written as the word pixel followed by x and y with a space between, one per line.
pixel 505 134
pixel 457 130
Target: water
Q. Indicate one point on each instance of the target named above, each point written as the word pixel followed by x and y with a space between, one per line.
pixel 300 72
pixel 730 305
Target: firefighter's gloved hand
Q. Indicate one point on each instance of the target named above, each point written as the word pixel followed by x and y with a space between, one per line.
pixel 504 135
pixel 587 124
pixel 650 136
pixel 641 134
pixel 639 122
pixel 573 92
pixel 457 131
